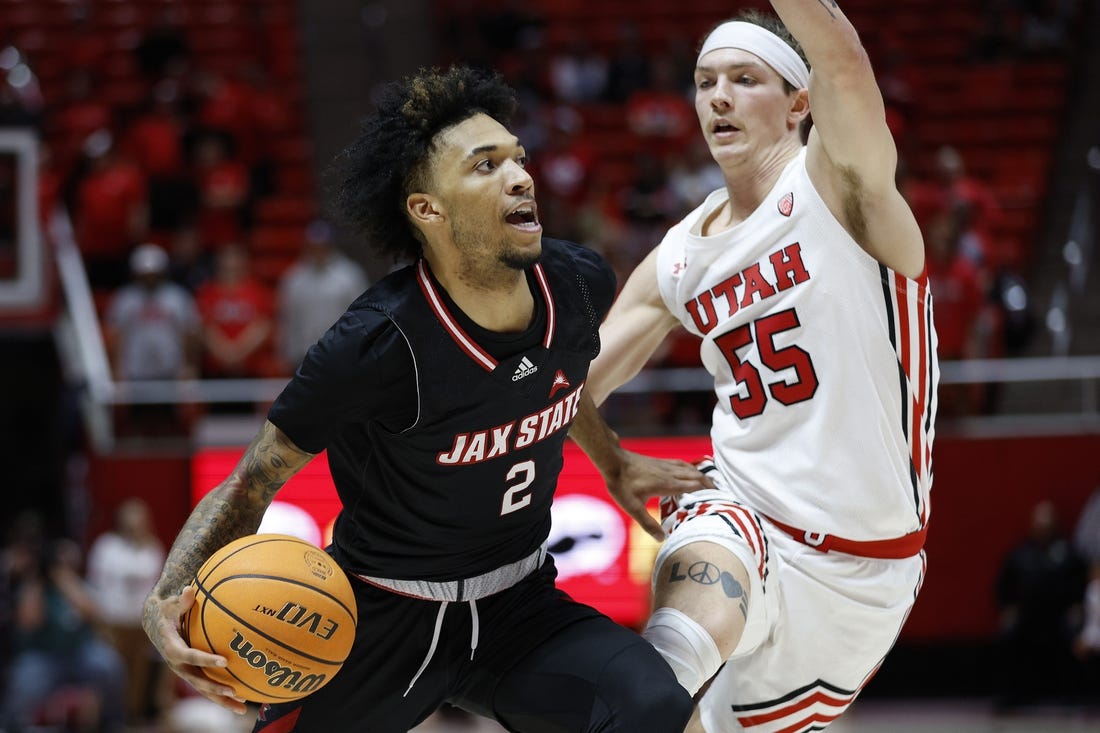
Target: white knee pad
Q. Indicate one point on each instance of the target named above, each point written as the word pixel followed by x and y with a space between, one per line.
pixel 685 645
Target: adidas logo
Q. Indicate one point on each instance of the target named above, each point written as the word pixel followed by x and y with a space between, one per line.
pixel 525 369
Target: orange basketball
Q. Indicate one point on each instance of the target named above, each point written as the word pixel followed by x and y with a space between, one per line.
pixel 279 609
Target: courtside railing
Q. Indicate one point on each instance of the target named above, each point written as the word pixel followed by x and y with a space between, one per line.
pixel 82 347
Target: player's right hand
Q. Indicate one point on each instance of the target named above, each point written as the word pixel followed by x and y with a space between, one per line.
pixel 163 622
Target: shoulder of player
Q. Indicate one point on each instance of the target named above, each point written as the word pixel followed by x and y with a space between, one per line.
pixel 560 256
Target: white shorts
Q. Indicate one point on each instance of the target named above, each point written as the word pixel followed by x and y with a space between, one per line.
pixel 819 623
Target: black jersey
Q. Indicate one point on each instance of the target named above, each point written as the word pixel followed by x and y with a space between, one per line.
pixel 445 440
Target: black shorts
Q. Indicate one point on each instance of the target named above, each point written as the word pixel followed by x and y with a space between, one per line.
pixel 542 663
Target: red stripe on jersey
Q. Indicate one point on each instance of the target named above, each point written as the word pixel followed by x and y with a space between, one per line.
pixel 915 367
pixel 460 337
pixel 551 316
pixel 916 376
pixel 752 533
pixel 815 718
pixel 922 385
pixel 798 707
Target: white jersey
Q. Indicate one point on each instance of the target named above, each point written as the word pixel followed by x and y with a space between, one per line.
pixel 824 364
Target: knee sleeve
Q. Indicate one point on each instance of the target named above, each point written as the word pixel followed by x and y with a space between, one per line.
pixel 685 645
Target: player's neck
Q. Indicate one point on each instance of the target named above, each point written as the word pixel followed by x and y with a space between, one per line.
pixel 748 182
pixel 503 303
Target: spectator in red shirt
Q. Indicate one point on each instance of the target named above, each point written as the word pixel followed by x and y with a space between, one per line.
pixel 225 105
pixel 110 212
pixel 661 114
pixel 957 283
pixel 79 114
pixel 224 188
pixel 155 141
pixel 237 313
pixel 962 189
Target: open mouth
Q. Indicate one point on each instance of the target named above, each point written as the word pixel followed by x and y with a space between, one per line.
pixel 721 126
pixel 526 217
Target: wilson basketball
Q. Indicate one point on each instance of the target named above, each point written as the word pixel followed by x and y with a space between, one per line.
pixel 279 609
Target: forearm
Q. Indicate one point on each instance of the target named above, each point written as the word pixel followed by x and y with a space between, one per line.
pixel 233 509
pixel 820 27
pixel 596 438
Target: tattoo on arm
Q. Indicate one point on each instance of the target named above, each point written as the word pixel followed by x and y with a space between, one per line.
pixel 234 508
pixel 706 573
pixel 829 6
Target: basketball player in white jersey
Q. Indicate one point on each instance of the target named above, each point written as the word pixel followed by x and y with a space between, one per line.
pixel 785 586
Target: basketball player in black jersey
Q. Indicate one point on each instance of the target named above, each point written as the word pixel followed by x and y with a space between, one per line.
pixel 443 397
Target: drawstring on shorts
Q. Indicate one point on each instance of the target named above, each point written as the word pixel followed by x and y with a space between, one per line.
pixel 474 629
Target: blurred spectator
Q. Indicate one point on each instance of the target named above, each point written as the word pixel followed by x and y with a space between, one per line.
pixel 225 106
pixel 966 193
pixel 237 313
pixel 1038 591
pixel 123 565
pixel 565 165
pixel 511 25
pixel 81 113
pixel 111 211
pixel 314 292
pixel 189 263
pixel 163 49
pixel 999 36
pixel 151 330
pixel 956 279
pixel 269 107
pixel 55 644
pixel 628 68
pixel 649 205
pixel 224 190
pixel 1086 540
pixel 155 142
pixel 1086 533
pixel 24 546
pixel 85 47
pixel 579 73
pixel 660 114
pixel 1045 27
pixel 694 175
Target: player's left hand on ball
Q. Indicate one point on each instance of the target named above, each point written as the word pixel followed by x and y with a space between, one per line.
pixel 642 477
pixel 166 633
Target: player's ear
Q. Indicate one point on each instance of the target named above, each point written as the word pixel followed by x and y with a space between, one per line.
pixel 424 209
pixel 799 108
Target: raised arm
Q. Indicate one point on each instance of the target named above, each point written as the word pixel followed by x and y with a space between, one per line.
pixel 851 154
pixel 233 509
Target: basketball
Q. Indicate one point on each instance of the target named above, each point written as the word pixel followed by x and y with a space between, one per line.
pixel 279 609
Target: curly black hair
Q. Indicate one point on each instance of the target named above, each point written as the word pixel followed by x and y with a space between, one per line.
pixel 389 159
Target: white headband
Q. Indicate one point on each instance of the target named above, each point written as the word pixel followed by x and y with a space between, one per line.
pixel 755 39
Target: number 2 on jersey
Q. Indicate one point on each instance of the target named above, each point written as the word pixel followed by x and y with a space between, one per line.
pixel 525 472
pixel 763 331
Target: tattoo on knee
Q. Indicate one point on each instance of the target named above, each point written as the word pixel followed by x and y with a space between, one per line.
pixel 706 573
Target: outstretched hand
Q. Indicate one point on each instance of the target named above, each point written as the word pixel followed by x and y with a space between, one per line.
pixel 163 622
pixel 641 477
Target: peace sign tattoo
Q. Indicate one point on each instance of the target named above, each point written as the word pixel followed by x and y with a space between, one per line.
pixel 707 573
